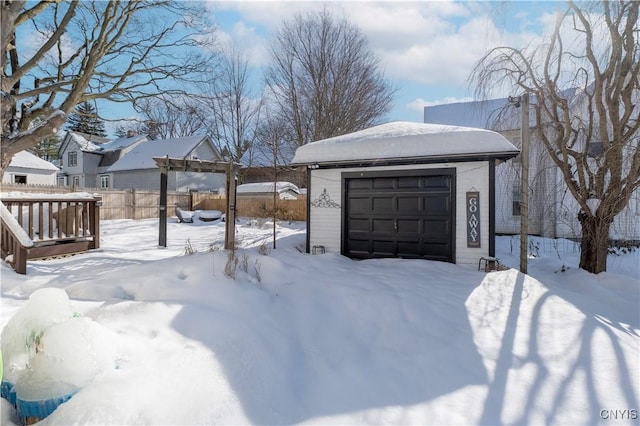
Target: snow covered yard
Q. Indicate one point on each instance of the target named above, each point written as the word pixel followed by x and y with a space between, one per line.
pixel 326 340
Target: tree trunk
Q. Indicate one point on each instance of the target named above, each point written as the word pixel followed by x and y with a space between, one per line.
pixel 595 243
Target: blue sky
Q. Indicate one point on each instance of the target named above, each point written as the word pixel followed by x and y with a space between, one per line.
pixel 427 49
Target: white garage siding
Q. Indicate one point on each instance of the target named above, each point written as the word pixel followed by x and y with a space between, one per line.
pixel 325 225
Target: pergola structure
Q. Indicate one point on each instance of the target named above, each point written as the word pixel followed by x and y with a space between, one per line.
pixel 166 164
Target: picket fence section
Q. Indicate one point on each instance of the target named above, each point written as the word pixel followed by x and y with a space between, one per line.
pixel 142 204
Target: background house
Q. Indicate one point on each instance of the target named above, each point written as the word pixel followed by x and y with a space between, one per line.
pixel 552 209
pixel 123 163
pixel 137 169
pixel 28 168
pixel 85 158
pixel 407 190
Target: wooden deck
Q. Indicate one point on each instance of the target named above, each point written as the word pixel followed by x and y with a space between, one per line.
pixel 48 225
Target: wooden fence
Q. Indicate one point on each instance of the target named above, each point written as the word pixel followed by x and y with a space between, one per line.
pixel 142 204
pixel 253 207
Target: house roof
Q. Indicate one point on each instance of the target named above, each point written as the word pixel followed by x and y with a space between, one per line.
pixel 141 156
pixel 406 141
pixel 111 152
pixel 120 143
pixel 494 114
pixel 83 142
pixel 266 187
pixel 27 160
pixel 99 145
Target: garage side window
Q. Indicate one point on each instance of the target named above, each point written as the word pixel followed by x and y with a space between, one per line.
pixel 516 203
pixel 72 158
pixel 104 181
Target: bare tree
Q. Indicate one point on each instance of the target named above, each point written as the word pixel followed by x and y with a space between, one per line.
pixel 172 116
pixel 586 91
pixel 325 79
pixel 235 109
pixel 115 50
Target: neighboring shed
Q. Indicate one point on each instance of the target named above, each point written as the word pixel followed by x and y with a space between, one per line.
pixel 407 190
pixel 137 169
pixel 28 168
pixel 262 190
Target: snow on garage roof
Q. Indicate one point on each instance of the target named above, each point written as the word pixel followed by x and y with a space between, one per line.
pixel 27 160
pixel 406 141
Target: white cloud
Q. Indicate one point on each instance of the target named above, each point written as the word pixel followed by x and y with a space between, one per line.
pixel 244 38
pixel 427 42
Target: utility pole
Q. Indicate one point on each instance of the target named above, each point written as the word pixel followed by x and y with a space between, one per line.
pixel 523 102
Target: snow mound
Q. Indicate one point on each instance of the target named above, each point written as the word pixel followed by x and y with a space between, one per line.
pixel 72 354
pixel 23 333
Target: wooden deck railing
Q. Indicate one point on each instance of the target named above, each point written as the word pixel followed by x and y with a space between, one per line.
pixel 48 225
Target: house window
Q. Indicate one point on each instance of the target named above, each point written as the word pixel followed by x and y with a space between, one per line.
pixel 76 181
pixel 20 179
pixel 104 181
pixel 516 203
pixel 73 158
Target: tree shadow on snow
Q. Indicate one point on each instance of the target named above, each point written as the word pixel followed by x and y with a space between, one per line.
pixel 566 369
pixel 381 337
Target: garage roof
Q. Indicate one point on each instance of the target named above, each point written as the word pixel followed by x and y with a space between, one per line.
pixel 399 142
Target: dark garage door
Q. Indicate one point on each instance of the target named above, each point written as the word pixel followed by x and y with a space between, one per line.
pixel 408 215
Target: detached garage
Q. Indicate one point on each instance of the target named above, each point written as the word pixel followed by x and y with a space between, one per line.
pixel 409 190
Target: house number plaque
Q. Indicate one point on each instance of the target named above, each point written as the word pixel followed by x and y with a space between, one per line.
pixel 473 219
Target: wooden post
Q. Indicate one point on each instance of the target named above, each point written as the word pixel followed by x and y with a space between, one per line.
pixel 94 220
pixel 230 220
pixel 524 184
pixel 162 239
pixel 19 258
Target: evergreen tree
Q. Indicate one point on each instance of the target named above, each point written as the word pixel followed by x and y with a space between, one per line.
pixel 84 119
pixel 47 149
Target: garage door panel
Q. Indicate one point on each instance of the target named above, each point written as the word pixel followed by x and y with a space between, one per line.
pixel 436 228
pixel 384 226
pixel 363 225
pixel 409 204
pixel 359 184
pixel 409 182
pixel 384 183
pixel 359 246
pixel 408 226
pixel 442 183
pixel 437 205
pixel 408 249
pixel 383 248
pixel 382 205
pixel 360 205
